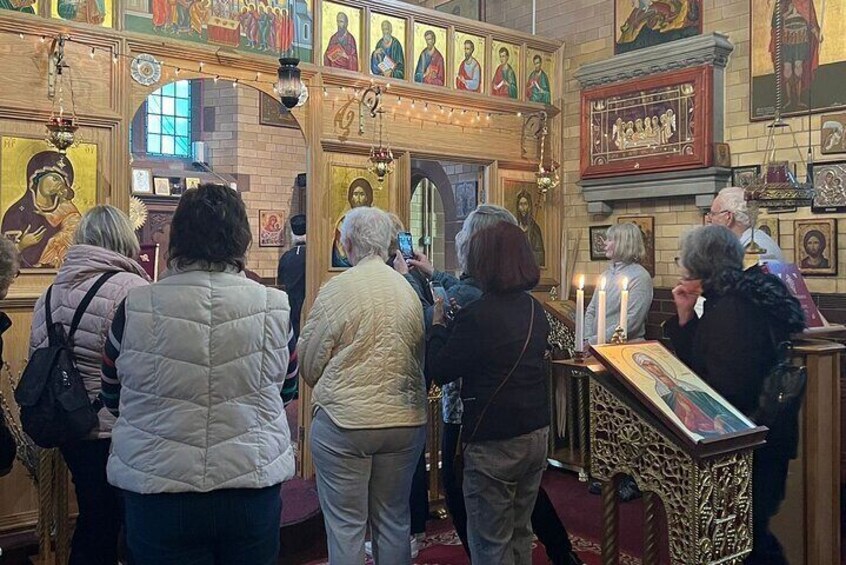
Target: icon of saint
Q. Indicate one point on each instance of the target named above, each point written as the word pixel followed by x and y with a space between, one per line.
pixel 505 79
pixel 342 52
pixel 388 59
pixel 430 65
pixel 469 75
pixel 537 85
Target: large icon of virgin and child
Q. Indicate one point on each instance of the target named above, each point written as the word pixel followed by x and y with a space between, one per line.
pixel 675 390
pixel 44 195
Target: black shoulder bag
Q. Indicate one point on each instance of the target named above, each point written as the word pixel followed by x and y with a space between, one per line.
pixel 55 409
pixel 781 396
pixel 458 462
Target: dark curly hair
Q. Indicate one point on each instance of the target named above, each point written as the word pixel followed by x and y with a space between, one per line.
pixel 210 227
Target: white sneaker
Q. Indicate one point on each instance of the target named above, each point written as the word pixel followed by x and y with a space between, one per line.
pixel 415 548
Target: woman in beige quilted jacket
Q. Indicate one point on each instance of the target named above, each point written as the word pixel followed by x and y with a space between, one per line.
pixel 362 351
pixel 104 242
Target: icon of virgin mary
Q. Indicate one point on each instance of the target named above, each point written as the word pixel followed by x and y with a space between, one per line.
pixel 42 221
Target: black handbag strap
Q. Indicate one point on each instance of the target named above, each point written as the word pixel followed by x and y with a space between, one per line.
pixel 80 310
pixel 506 379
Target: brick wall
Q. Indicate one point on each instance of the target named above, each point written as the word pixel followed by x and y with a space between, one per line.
pixel 586 28
pixel 264 159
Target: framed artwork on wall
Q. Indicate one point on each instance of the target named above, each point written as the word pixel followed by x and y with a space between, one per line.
pixel 643 24
pixel 93 12
pixel 272 113
pixel 744 176
pixel 469 9
pixel 832 134
pixel 830 186
pixel 466 197
pixel 505 59
pixel 351 187
pixel 597 242
pixel 813 69
pixel 191 182
pixel 430 47
pixel 816 246
pixel 769 226
pixel 44 196
pixel 387 44
pixel 520 198
pixel 341 29
pixel 647 230
pixel 469 60
pixel 673 392
pixel 162 186
pixel 540 72
pixel 658 123
pixel 142 181
pixel 271 228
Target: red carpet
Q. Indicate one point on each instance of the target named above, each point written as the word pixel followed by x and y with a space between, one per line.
pixel 580 512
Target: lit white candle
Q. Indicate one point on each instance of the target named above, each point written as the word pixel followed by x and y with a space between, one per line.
pixel 600 313
pixel 580 315
pixel 624 306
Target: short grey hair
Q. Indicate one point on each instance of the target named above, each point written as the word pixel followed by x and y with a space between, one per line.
pixel 9 264
pixel 107 227
pixel 734 201
pixel 628 242
pixel 368 231
pixel 484 216
pixel 708 251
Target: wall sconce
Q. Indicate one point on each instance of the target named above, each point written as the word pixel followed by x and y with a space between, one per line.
pixel 292 92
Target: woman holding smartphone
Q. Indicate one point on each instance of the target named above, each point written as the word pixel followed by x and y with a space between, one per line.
pixel 461 292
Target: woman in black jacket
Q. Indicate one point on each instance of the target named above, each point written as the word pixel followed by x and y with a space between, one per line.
pixel 9 268
pixel 733 348
pixel 497 345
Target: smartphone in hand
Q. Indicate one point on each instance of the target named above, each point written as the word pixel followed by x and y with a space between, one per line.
pixel 438 291
pixel 405 245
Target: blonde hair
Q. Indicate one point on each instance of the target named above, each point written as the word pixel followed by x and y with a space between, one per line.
pixel 107 227
pixel 628 243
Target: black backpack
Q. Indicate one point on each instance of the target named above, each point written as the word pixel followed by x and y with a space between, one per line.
pixel 55 409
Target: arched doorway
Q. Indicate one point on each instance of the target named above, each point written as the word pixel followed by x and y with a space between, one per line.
pixel 443 193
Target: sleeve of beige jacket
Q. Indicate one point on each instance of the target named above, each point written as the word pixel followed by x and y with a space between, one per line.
pixel 317 340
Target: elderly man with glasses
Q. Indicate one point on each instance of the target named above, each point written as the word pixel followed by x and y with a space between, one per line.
pixel 729 209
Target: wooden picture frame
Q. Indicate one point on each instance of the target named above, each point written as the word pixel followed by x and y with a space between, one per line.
pixel 142 181
pixel 162 186
pixel 829 181
pixel 744 176
pixel 833 134
pixel 273 113
pixel 633 25
pixel 271 224
pixel 647 229
pixel 647 125
pixel 645 369
pixel 816 258
pixel 769 226
pixel 596 241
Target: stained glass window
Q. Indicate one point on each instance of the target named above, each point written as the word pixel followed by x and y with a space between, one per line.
pixel 169 120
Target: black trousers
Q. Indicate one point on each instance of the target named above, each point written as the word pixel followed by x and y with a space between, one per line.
pixel 769 483
pixel 545 521
pixel 95 540
pixel 419 502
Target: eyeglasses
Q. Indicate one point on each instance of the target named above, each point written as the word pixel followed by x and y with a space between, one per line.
pixel 710 214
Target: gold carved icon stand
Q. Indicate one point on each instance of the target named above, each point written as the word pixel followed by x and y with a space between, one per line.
pixel 706 494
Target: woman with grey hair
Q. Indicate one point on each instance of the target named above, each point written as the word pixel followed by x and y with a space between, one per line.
pixel 733 347
pixel 624 247
pixel 9 269
pixel 461 292
pixel 104 242
pixel 362 351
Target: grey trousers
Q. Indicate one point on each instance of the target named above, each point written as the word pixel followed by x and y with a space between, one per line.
pixel 501 481
pixel 364 477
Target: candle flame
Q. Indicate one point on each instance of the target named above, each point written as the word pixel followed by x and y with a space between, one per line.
pixel 581 282
pixel 625 283
pixel 602 283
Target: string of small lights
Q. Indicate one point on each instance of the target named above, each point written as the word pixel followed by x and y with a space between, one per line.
pixel 413 108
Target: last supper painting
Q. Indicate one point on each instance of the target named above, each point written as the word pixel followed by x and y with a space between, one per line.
pixel 647 125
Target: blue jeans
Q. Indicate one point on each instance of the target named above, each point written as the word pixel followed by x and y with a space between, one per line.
pixel 222 527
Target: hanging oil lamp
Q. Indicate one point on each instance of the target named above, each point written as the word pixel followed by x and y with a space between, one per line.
pixel 61 126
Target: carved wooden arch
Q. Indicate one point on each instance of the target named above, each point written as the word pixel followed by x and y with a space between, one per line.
pixel 433 171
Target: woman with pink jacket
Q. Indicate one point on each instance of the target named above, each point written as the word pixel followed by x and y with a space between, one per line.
pixel 104 243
